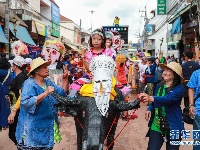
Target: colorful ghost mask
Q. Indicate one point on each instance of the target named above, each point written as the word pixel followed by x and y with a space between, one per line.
pixel 117 41
pixel 102 68
pixel 19 48
pixel 52 50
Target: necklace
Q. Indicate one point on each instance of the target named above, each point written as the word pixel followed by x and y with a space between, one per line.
pixel 97 53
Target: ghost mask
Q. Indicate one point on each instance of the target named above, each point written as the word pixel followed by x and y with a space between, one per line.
pixel 19 48
pixel 52 50
pixel 102 68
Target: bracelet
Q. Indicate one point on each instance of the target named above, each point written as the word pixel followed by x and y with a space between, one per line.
pixel 14 110
pixel 191 105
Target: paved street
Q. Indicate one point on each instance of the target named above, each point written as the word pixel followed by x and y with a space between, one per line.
pixel 132 137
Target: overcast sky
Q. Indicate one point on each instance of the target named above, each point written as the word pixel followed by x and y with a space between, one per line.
pixel 105 11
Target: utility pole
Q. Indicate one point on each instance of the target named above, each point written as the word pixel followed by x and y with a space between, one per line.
pixel 92 11
pixel 145 26
pixel 6 26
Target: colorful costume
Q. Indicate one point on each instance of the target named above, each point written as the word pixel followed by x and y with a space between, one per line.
pixel 130 73
pixel 74 87
pixel 121 74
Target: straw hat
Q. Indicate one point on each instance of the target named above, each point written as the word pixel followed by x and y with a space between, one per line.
pixel 35 63
pixel 176 67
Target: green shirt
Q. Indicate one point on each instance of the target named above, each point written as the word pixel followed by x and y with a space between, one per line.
pixel 156 123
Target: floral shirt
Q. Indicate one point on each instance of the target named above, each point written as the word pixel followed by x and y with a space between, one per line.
pixel 109 52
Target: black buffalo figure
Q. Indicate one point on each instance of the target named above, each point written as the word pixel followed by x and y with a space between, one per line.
pixel 92 128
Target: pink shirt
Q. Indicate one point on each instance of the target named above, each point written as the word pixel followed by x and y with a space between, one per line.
pixel 108 52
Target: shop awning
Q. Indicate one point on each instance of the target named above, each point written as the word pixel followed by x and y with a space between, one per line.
pixel 149 47
pixel 73 47
pixel 179 13
pixel 3 38
pixel 22 34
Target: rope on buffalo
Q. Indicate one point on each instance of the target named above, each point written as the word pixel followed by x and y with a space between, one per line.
pixel 114 121
pixel 121 130
pixel 79 122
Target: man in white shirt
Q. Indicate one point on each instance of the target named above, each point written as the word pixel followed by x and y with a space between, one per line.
pixel 142 67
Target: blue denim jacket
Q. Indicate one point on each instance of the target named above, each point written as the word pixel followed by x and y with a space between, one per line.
pixel 36 122
pixel 171 101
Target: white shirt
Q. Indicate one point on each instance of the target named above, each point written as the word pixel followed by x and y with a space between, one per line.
pixel 142 68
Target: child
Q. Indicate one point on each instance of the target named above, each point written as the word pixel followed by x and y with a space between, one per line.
pixel 97 47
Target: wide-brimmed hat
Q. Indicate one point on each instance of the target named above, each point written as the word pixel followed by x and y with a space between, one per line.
pixel 35 63
pixel 176 67
pixel 19 61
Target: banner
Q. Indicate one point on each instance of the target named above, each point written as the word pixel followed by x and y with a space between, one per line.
pixel 161 7
pixel 40 28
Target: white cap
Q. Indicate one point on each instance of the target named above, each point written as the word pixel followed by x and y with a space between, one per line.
pixel 28 60
pixel 19 61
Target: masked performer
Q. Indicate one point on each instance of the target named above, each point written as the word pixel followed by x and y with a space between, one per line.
pixel 97 47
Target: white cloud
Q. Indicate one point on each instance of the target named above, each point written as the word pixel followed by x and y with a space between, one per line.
pixel 105 11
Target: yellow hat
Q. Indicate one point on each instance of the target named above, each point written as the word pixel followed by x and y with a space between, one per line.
pixel 176 67
pixel 35 63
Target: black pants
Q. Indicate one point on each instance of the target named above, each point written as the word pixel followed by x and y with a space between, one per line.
pixel 12 128
pixel 186 101
pixel 156 141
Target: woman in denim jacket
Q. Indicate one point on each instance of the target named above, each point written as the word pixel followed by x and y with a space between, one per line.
pixel 35 128
pixel 166 104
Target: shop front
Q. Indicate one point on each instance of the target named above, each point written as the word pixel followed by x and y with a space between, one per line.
pixel 3 40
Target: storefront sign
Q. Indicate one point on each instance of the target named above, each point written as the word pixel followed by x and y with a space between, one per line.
pixel 55 13
pixel 150 29
pixel 161 7
pixel 55 20
pixel 55 29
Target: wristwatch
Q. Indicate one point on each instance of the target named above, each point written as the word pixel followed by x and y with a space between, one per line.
pixel 191 105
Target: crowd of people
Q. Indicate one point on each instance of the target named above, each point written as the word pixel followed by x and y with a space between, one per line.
pixel 27 107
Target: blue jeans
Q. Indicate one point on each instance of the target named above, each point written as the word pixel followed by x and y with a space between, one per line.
pixel 196 126
pixel 156 141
